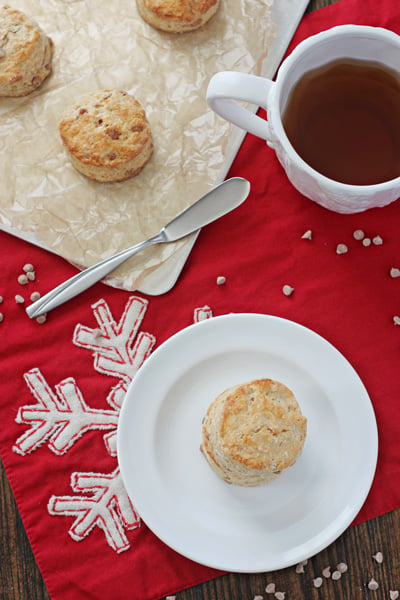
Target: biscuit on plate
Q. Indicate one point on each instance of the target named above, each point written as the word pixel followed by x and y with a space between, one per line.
pixel 107 135
pixel 252 431
pixel 177 16
pixel 25 53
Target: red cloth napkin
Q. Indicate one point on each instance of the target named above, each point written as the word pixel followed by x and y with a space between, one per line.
pixel 61 478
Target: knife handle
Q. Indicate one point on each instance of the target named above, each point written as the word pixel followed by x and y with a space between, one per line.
pixel 86 278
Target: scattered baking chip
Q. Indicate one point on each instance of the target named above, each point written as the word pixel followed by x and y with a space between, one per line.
pixel 378 557
pixel 270 589
pixel 342 567
pixel 394 272
pixel 1 317
pixel 396 320
pixel 326 572
pixel 301 565
pixel 35 296
pixel 41 319
pixel 317 582
pixel 336 575
pixel 377 240
pixel 28 267
pixel 358 234
pixel 31 275
pixel 19 299
pixel 366 242
pixel 23 279
pixel 1 299
pixel 258 598
pixel 341 249
pixel 307 235
pixel 394 594
pixel 373 585
pixel 221 280
pixel 280 595
pixel 287 290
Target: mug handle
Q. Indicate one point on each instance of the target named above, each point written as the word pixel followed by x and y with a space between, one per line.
pixel 227 87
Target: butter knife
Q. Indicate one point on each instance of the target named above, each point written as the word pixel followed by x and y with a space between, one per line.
pixel 217 202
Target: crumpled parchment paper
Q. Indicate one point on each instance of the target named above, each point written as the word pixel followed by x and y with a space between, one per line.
pixel 102 44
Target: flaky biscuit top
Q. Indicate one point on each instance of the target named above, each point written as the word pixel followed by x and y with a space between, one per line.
pixel 24 47
pixel 105 128
pixel 182 10
pixel 261 425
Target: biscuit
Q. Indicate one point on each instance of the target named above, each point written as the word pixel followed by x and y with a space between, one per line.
pixel 25 53
pixel 177 16
pixel 252 432
pixel 107 135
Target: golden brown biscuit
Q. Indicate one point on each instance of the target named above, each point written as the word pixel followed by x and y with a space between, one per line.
pixel 25 53
pixel 177 16
pixel 253 431
pixel 107 135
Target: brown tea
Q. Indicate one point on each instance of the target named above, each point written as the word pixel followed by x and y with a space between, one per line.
pixel 343 119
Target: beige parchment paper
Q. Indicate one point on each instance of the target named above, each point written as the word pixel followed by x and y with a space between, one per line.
pixel 101 44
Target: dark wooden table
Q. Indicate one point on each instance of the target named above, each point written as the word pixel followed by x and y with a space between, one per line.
pixel 357 548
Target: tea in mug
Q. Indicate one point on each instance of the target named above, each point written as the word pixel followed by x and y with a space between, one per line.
pixel 343 119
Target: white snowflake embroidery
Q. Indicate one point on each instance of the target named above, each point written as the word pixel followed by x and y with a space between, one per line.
pixel 202 313
pixel 108 508
pixel 59 418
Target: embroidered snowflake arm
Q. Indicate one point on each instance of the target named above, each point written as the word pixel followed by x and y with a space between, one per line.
pixel 109 508
pixel 116 352
pixel 202 313
pixel 59 418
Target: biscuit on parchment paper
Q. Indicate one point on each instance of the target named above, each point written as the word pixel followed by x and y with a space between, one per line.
pixel 25 53
pixel 107 135
pixel 177 16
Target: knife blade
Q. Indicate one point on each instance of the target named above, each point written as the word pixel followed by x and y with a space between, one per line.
pixel 223 198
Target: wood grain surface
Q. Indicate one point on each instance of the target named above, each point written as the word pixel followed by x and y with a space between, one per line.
pixel 20 578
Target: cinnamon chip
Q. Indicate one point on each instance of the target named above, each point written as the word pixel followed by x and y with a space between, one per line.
pixel 373 585
pixel 287 290
pixel 358 234
pixel 300 566
pixel 341 249
pixel 378 557
pixel 317 582
pixel 22 279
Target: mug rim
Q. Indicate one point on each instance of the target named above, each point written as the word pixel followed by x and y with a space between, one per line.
pixel 301 48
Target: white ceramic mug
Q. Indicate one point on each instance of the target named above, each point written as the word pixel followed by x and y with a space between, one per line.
pixel 345 41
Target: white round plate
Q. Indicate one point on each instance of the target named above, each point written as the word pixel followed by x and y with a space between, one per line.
pixel 225 526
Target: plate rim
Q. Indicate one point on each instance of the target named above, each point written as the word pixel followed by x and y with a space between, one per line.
pixel 373 449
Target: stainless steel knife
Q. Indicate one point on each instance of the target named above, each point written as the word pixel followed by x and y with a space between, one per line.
pixel 217 202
